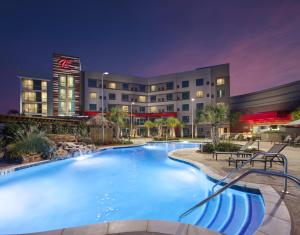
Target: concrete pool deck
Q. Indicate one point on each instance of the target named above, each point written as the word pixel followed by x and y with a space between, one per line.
pixel 291 200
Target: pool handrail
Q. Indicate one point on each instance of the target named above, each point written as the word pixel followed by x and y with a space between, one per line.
pixel 285 167
pixel 238 178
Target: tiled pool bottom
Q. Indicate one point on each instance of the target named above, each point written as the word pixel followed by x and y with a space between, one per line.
pixel 116 184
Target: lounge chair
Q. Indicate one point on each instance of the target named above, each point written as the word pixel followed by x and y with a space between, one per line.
pixel 287 140
pixel 272 155
pixel 296 141
pixel 240 152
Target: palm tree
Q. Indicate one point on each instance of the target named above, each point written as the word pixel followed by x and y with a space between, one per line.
pixel 215 114
pixel 159 122
pixel 148 124
pixel 117 116
pixel 172 123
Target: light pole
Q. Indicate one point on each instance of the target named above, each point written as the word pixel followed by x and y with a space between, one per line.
pixel 192 117
pixel 132 103
pixel 102 105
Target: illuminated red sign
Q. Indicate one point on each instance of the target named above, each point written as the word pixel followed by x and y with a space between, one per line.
pixel 265 117
pixel 64 63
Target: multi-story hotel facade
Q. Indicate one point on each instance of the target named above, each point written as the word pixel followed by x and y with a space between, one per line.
pixel 76 93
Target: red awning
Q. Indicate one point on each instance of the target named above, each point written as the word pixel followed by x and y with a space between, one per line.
pixel 265 117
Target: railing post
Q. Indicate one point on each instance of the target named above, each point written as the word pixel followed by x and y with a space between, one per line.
pixel 285 170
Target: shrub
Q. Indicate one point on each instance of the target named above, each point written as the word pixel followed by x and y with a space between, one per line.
pixel 126 142
pixel 163 138
pixel 221 147
pixel 208 148
pixel 32 143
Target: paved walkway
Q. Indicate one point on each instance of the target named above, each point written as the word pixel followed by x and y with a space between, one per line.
pixel 221 167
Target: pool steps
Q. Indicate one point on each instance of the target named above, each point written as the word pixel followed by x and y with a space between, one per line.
pixel 229 214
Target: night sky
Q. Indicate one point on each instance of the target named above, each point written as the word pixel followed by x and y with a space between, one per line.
pixel 260 39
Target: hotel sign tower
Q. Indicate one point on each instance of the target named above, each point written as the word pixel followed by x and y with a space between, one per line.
pixel 66 85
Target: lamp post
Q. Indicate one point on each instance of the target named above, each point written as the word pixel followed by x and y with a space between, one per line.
pixel 102 104
pixel 132 103
pixel 192 117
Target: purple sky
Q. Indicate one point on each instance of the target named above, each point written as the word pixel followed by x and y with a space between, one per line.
pixel 260 39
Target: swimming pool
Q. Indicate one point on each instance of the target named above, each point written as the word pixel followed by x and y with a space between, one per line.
pixel 121 184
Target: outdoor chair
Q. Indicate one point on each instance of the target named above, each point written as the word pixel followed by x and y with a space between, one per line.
pixel 287 140
pixel 272 155
pixel 296 141
pixel 241 152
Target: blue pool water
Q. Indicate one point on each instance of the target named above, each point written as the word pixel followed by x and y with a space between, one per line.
pixel 121 184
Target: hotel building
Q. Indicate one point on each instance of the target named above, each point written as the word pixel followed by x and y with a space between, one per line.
pixel 267 109
pixel 34 94
pixel 76 92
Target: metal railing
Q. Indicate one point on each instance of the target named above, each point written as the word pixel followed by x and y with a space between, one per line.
pixel 252 171
pixel 285 167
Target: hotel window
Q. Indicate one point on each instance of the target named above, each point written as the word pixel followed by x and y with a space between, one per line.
pixel 93 107
pixel 92 83
pixel 28 84
pixel 125 86
pixel 112 96
pixel 112 85
pixel 37 85
pixel 70 107
pixel 199 106
pixel 199 82
pixel 63 106
pixel 70 81
pixel 170 85
pixel 185 84
pixel 170 96
pixel 44 85
pixel 220 93
pixel 170 107
pixel 125 108
pixel 153 88
pixel 200 94
pixel 220 81
pixel 70 94
pixel 142 98
pixel 62 94
pixel 29 96
pixel 142 88
pixel 62 81
pixel 125 97
pixel 153 98
pixel 142 109
pixel 93 95
pixel 153 109
pixel 44 108
pixel 185 95
pixel 185 107
pixel 185 119
pixel 29 108
pixel 44 97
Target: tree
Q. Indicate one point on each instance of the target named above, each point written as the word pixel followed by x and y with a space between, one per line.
pixel 159 122
pixel 234 118
pixel 117 116
pixel 214 114
pixel 296 114
pixel 172 123
pixel 148 124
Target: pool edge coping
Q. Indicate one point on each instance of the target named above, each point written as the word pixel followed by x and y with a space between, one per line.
pixel 271 223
